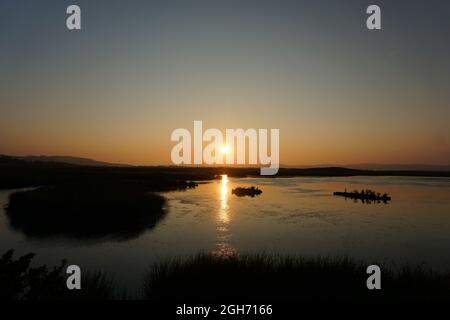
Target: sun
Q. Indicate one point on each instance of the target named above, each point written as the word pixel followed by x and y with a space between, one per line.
pixel 225 149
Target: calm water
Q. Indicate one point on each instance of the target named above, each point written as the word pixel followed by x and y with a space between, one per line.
pixel 297 216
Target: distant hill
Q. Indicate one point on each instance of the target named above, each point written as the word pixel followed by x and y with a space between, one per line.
pixel 61 159
pixel 360 166
pixel 409 167
pixel 379 167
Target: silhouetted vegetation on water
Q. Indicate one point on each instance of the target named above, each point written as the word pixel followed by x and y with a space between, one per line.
pixel 20 281
pixel 269 277
pixel 366 196
pixel 251 191
pixel 90 210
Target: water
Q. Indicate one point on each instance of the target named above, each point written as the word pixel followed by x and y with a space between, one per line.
pixel 297 216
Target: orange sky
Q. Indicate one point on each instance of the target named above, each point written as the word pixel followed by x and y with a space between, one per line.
pixel 115 90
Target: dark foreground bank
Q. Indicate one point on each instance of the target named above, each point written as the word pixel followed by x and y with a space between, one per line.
pixel 269 277
pixel 206 277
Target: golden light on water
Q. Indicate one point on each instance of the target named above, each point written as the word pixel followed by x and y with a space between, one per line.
pixel 223 212
pixel 223 246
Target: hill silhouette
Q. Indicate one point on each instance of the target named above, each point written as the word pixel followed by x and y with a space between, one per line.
pixel 62 159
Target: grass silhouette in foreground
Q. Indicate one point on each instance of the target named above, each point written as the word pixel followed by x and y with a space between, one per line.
pixel 268 277
pixel 20 281
pixel 88 210
pixel 207 277
pixel 366 196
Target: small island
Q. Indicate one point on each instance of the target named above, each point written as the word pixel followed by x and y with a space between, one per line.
pixel 366 196
pixel 251 191
pixel 117 211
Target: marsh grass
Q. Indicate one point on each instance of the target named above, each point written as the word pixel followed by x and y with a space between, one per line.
pixel 269 277
pixel 207 277
pixel 20 281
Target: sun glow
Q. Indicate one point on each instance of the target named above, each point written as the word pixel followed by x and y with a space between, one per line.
pixel 225 149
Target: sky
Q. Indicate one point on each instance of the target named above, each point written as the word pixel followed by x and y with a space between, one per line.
pixel 116 89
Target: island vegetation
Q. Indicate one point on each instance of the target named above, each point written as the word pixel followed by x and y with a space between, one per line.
pixel 250 192
pixel 91 210
pixel 366 196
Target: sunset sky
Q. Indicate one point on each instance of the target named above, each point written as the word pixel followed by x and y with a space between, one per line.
pixel 137 70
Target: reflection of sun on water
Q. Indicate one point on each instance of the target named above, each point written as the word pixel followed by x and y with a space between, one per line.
pixel 223 212
pixel 223 246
